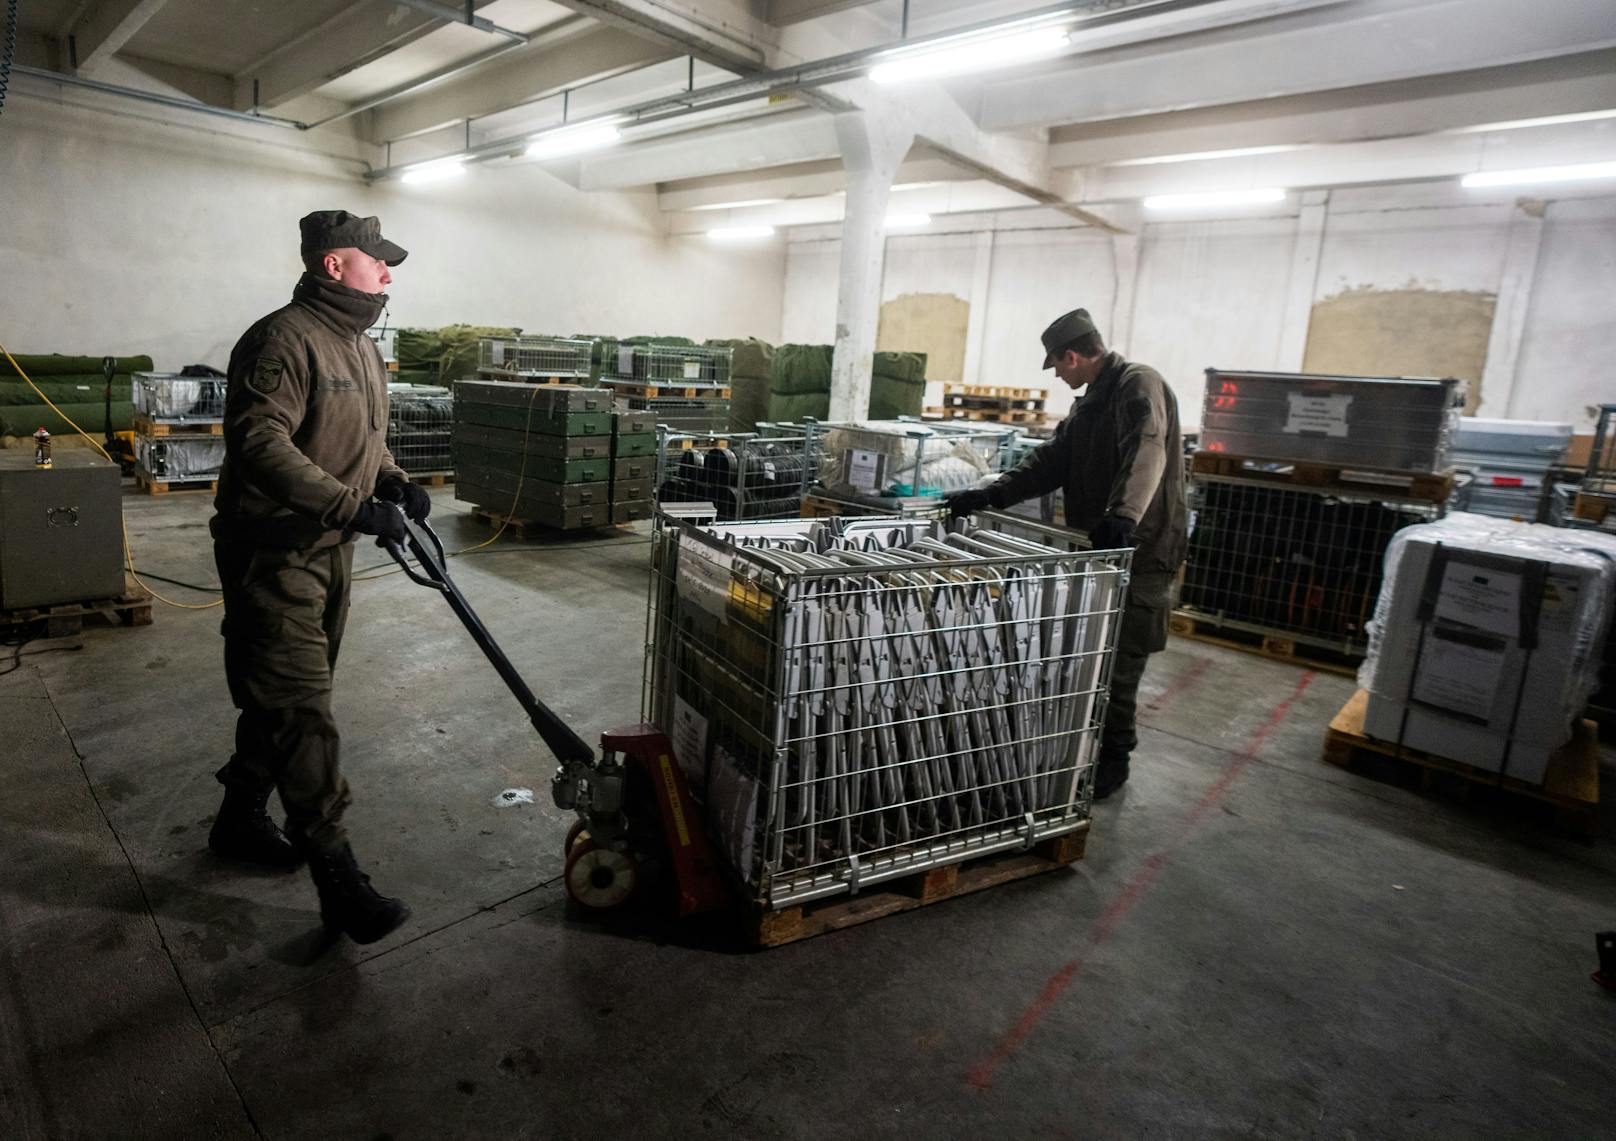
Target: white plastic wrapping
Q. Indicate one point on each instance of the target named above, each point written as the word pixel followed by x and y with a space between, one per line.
pixel 1487 639
pixel 879 457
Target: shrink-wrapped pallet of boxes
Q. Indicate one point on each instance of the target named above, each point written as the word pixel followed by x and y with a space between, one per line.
pixel 1487 640
pixel 534 453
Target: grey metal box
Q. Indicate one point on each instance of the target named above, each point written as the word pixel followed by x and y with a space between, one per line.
pixel 61 529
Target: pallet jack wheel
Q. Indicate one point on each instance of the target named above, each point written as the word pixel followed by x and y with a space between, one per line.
pixel 579 830
pixel 600 879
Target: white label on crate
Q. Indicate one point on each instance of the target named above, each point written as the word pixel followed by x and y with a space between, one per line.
pixel 1481 598
pixel 688 733
pixel 692 370
pixel 625 360
pixel 1458 676
pixel 496 350
pixel 704 575
pixel 1317 415
pixel 863 469
pixel 732 803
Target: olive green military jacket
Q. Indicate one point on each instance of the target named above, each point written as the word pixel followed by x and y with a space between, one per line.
pixel 305 421
pixel 1118 451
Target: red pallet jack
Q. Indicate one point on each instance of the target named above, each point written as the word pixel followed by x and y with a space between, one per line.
pixel 635 813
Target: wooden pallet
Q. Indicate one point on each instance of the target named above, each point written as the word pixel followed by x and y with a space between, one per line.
pixel 529 529
pixel 990 416
pixel 433 478
pixel 1398 485
pixel 146 426
pixel 1276 647
pixel 1593 506
pixel 1570 784
pixel 658 391
pixel 132 608
pixel 777 928
pixel 516 376
pixel 686 445
pixel 149 485
pixel 995 391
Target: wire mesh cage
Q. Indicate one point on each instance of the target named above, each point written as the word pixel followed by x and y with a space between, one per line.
pixel 670 364
pixel 744 476
pixel 1600 478
pixel 1290 560
pixel 420 422
pixel 180 459
pixel 907 457
pixel 859 699
pixel 512 358
pixel 693 416
pixel 169 398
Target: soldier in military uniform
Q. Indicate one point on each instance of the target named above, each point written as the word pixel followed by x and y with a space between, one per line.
pixel 1119 460
pixel 305 436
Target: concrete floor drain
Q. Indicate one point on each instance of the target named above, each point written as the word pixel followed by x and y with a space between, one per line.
pixel 513 796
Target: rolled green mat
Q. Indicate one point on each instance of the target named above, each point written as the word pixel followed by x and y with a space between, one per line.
pixel 20 420
pixel 56 365
pixel 82 391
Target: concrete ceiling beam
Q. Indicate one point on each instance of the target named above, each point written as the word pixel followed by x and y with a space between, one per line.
pixel 780 13
pixel 724 33
pixel 105 26
pixel 778 140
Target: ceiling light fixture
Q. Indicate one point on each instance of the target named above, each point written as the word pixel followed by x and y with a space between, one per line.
pixel 574 140
pixel 907 221
pixel 1214 199
pixel 1540 174
pixel 970 54
pixel 741 233
pixel 435 171
pixel 738 205
pixel 1198 156
pixel 1544 121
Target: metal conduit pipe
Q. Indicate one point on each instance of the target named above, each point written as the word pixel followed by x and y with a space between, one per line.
pixel 159 99
pixel 418 85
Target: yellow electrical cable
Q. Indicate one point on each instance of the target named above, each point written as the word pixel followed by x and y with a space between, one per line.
pixel 128 551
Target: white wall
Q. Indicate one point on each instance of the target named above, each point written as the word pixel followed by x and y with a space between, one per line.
pixel 121 234
pixel 1214 292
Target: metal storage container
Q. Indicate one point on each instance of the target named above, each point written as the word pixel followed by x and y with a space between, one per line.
pixel 169 398
pixel 858 699
pixel 61 529
pixel 1377 423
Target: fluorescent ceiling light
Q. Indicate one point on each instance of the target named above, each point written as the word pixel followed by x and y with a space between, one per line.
pixel 1213 199
pixel 907 221
pixel 1545 121
pixel 739 205
pixel 1197 156
pixel 435 171
pixel 741 233
pixel 573 140
pixel 1533 175
pixel 897 186
pixel 982 53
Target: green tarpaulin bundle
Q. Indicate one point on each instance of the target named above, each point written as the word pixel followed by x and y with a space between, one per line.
pixel 441 356
pixel 749 381
pixel 750 357
pixel 799 383
pixel 799 369
pixel 57 365
pixel 65 390
pixel 898 385
pixel 24 419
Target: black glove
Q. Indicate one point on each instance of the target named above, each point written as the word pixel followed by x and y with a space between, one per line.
pixel 383 520
pixel 963 503
pixel 412 497
pixel 1113 533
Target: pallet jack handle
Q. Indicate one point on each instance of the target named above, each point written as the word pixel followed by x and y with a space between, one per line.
pixel 556 733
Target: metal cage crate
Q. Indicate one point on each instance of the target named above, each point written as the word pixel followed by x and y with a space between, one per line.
pixel 169 398
pixel 1297 561
pixel 859 699
pixel 906 457
pixel 744 476
pixel 689 416
pixel 680 365
pixel 512 358
pixel 420 421
pixel 180 459
pixel 1600 478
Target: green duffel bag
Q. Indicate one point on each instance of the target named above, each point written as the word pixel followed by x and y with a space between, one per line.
pixel 891 397
pixel 800 369
pixel 793 406
pixel 750 357
pixel 748 402
pixel 901 366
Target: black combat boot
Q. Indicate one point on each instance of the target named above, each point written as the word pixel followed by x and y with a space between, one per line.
pixel 1110 773
pixel 242 830
pixel 347 901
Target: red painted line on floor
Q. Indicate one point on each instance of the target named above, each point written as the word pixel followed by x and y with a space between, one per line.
pixel 981 1075
pixel 1179 684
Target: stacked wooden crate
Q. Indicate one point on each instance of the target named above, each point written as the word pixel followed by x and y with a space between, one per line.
pixel 539 454
pixel 992 403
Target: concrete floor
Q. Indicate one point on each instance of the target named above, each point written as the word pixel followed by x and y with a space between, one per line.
pixel 1258 944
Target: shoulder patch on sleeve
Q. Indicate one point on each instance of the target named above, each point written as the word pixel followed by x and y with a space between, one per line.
pixel 266 376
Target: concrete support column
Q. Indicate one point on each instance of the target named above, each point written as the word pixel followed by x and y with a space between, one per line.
pixel 1509 311
pixel 976 325
pixel 872 147
pixel 1303 282
pixel 1125 261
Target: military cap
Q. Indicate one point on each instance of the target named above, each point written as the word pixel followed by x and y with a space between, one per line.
pixel 339 230
pixel 1066 328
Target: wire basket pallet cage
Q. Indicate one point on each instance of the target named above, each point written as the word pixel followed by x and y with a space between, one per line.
pixel 673 365
pixel 180 459
pixel 516 358
pixel 744 476
pixel 1300 562
pixel 1596 498
pixel 169 398
pixel 859 700
pixel 420 422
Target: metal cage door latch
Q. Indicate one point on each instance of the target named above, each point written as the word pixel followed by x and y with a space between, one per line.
pixel 62 516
